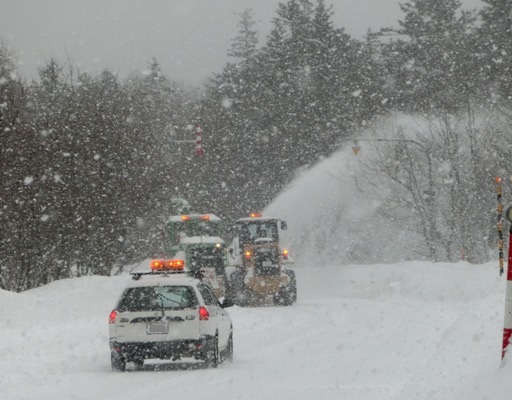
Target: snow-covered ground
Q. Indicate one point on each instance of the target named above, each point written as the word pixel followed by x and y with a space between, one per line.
pixel 404 331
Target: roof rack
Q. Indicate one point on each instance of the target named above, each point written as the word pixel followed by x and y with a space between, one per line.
pixel 137 275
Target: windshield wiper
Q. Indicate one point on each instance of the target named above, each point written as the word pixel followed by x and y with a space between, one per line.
pixel 161 297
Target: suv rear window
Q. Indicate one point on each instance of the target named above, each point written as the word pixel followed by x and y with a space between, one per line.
pixel 152 298
pixel 209 299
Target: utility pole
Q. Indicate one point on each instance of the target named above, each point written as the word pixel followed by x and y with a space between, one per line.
pixel 430 194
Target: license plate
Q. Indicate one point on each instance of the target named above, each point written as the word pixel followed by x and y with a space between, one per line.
pixel 157 327
pixel 266 263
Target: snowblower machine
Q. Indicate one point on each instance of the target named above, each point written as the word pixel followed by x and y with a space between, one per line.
pixel 257 264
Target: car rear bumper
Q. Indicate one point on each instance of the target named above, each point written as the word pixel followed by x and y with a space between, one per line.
pixel 174 350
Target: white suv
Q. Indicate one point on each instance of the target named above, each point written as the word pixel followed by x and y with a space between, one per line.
pixel 168 315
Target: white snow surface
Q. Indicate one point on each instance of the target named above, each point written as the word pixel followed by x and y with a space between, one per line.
pixel 412 330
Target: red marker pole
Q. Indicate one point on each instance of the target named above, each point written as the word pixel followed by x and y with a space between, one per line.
pixel 507 326
pixel 199 141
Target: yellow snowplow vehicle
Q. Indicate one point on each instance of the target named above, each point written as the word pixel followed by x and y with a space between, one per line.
pixel 256 269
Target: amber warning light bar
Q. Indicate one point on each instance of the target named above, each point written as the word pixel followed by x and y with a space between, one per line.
pixel 167 265
pixel 204 217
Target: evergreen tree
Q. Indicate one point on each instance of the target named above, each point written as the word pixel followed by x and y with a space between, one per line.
pixel 496 44
pixel 102 158
pixel 432 62
pixel 288 104
pixel 15 144
pixel 156 107
pixel 244 45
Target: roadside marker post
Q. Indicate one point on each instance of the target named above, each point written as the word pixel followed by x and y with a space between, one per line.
pixel 507 326
pixel 198 141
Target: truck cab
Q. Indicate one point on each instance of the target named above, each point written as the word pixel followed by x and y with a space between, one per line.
pixel 196 238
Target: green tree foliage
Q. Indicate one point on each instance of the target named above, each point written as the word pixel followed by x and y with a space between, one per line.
pixel 495 35
pixel 286 105
pixel 87 171
pixel 431 57
pixel 244 45
pixel 14 167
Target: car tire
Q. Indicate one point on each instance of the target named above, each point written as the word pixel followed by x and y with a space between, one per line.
pixel 212 353
pixel 117 362
pixel 228 355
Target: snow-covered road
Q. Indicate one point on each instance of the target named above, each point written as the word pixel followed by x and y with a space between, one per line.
pixel 404 331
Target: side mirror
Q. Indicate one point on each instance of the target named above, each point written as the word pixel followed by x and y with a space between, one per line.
pixel 283 225
pixel 227 303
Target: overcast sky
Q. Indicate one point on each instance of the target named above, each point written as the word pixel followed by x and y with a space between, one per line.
pixel 189 38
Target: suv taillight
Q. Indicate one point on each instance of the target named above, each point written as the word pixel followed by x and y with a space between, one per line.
pixel 112 317
pixel 204 315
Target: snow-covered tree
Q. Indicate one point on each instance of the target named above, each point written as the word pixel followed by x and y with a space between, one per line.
pixel 496 44
pixel 432 56
pixel 244 45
